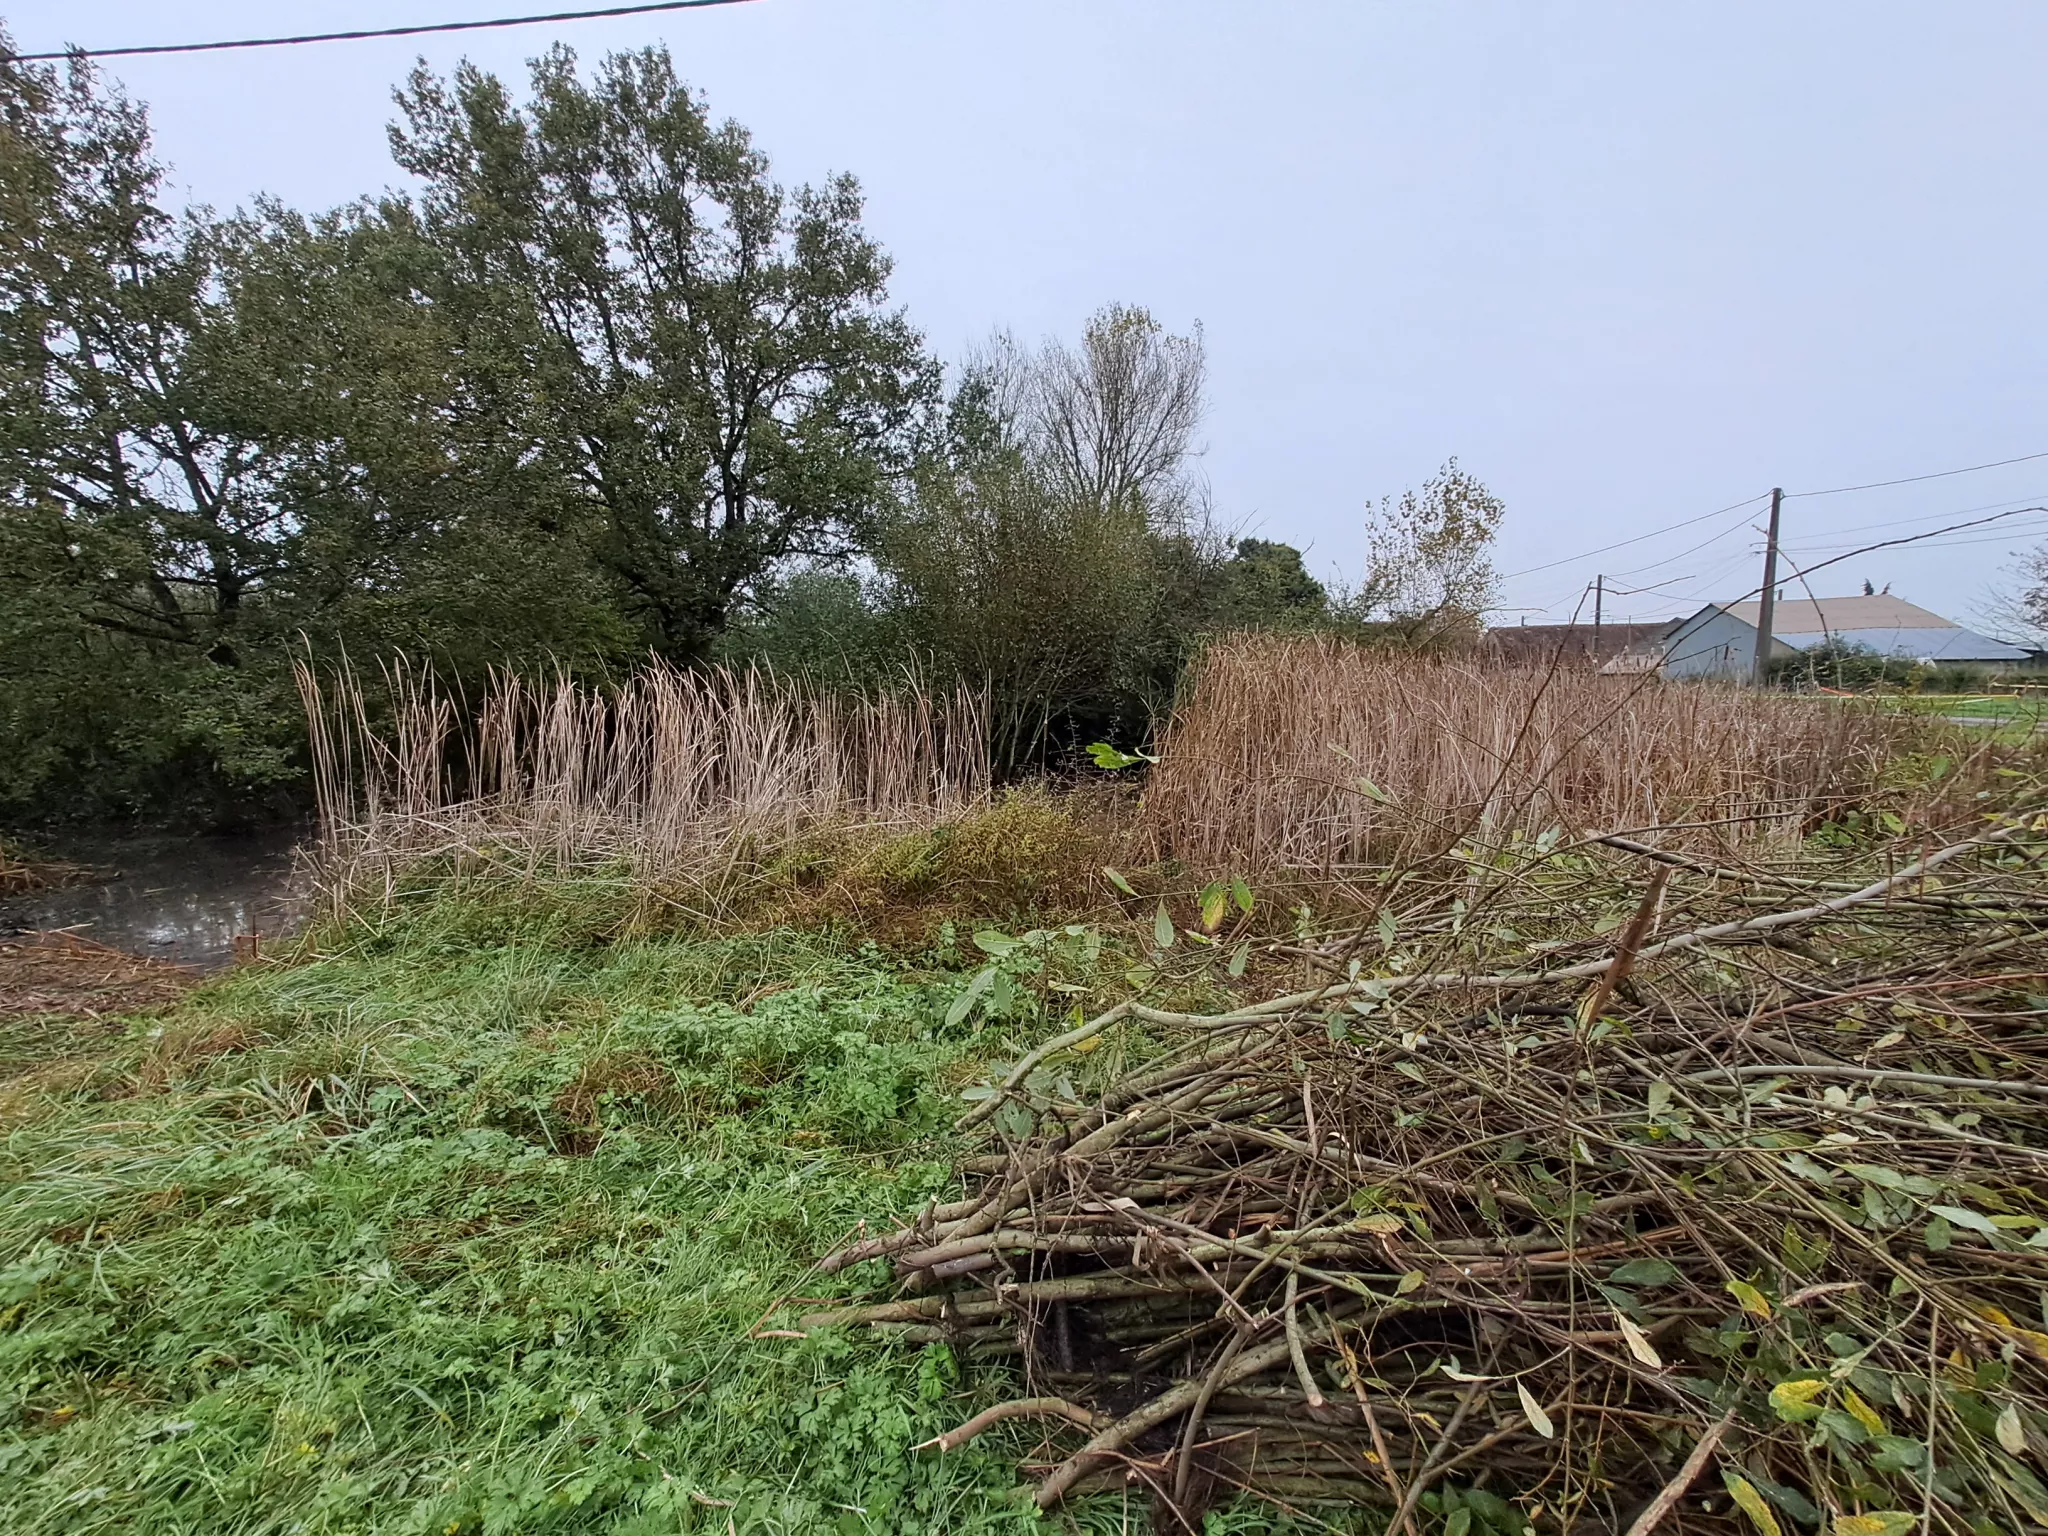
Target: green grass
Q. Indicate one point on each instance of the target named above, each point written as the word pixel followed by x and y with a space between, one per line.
pixel 430 1236
pixel 2004 708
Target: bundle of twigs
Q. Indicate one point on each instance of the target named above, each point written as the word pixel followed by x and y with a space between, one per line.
pixel 1760 1184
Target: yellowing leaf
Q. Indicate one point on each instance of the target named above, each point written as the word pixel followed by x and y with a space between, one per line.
pixel 1793 1401
pixel 1215 897
pixel 1380 1224
pixel 2033 1342
pixel 1538 1419
pixel 2011 1433
pixel 1752 1299
pixel 1862 1412
pixel 1752 1504
pixel 1885 1522
pixel 1639 1342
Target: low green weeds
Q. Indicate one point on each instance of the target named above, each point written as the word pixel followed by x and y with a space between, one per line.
pixel 425 1237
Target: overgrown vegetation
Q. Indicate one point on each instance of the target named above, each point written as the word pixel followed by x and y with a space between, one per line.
pixel 422 1234
pixel 1846 667
pixel 598 390
pixel 1590 1186
pixel 23 870
pixel 1317 753
pixel 501 1208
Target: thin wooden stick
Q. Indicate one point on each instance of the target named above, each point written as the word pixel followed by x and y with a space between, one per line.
pixel 1021 1408
pixel 1669 1495
pixel 1632 938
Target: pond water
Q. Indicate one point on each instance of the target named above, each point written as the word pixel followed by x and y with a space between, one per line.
pixel 170 896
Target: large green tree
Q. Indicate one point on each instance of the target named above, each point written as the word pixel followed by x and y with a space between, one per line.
pixel 222 441
pixel 138 524
pixel 117 374
pixel 706 358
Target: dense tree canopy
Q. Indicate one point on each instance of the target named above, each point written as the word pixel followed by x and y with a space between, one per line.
pixel 703 357
pixel 595 387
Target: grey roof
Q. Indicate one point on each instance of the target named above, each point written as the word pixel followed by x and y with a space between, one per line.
pixel 1946 642
pixel 1796 615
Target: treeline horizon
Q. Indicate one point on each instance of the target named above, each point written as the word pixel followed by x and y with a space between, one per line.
pixel 595 389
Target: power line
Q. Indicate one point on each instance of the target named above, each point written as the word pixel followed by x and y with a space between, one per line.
pixel 1838 490
pixel 1924 517
pixel 1799 574
pixel 363 36
pixel 2022 530
pixel 1940 474
pixel 1913 538
pixel 1674 559
pixel 1655 533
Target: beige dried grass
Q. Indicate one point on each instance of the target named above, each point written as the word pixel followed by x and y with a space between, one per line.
pixel 684 779
pixel 1307 753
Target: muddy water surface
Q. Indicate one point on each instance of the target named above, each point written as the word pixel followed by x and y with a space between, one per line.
pixel 169 896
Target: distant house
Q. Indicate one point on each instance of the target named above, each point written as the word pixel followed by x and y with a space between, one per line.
pixel 1720 640
pixel 1579 646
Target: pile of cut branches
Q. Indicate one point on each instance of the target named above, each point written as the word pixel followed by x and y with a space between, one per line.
pixel 1734 1217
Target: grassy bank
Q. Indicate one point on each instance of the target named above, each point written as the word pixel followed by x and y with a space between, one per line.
pixel 500 1208
pixel 445 1230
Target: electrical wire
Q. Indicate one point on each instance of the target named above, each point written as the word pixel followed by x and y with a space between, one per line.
pixel 1815 545
pixel 1924 517
pixel 1838 490
pixel 1911 538
pixel 1674 559
pixel 2023 530
pixel 1940 474
pixel 364 35
pixel 1654 533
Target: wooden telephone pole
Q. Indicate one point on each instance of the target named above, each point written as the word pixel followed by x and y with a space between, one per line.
pixel 1766 610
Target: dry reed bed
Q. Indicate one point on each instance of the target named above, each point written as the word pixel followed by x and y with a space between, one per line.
pixel 680 775
pixel 1303 752
pixel 1497 1236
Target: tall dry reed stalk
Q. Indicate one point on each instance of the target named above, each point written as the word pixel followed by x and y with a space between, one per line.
pixel 681 776
pixel 1307 753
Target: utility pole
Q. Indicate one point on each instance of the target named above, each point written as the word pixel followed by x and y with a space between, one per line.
pixel 1599 593
pixel 1766 610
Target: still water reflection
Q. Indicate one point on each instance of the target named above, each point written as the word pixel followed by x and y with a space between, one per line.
pixel 169 896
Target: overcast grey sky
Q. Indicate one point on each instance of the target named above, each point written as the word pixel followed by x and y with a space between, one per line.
pixel 1630 263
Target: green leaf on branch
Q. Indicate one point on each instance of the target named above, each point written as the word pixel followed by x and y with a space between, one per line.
pixel 1109 757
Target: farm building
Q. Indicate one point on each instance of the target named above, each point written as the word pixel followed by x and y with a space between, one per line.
pixel 1577 646
pixel 1720 640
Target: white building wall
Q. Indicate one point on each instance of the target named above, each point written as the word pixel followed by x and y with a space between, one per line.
pixel 1712 644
